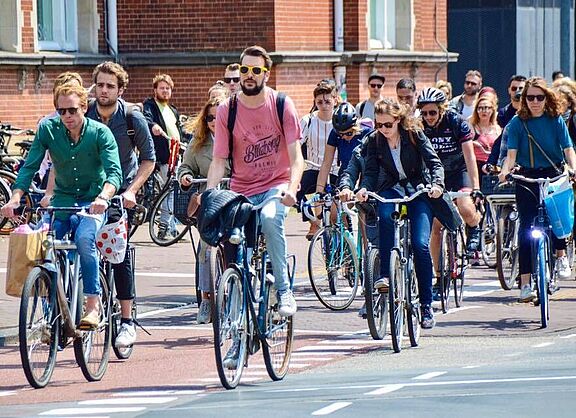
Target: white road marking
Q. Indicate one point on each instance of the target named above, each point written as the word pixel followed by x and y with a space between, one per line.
pixel 427 376
pixel 325 347
pixel 462 308
pixel 86 411
pixel 541 345
pixel 327 410
pixel 476 293
pixel 384 390
pixel 313 358
pixel 3 270
pixel 159 392
pixel 470 367
pixel 357 341
pixel 7 393
pixel 129 401
pixel 313 353
pixel 493 283
pixel 569 336
pixel 159 311
pixel 513 354
pixel 160 274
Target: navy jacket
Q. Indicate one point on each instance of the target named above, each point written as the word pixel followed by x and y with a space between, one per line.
pixel 154 116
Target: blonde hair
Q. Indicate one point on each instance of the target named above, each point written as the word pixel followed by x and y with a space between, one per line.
pixel 443 84
pixel 68 90
pixel 163 77
pixel 66 77
pixel 198 126
pixel 402 112
pixel 490 98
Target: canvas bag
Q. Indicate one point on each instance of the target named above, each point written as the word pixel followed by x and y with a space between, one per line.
pixel 559 203
pixel 112 238
pixel 25 251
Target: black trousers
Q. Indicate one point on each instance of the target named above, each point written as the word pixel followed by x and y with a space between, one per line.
pixel 123 272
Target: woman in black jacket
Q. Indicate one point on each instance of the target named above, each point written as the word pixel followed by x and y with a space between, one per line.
pixel 399 148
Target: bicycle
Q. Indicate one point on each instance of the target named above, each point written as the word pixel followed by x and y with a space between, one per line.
pixel 541 246
pixel 452 262
pixel 245 310
pixel 51 309
pixel 333 266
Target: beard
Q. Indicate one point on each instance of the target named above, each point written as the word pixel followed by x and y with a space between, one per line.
pixel 253 91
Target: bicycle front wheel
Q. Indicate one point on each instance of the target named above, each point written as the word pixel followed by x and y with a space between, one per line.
pixel 38 328
pixel 279 336
pixel 376 302
pixel 459 269
pixel 543 273
pixel 122 353
pixel 165 229
pixel 92 348
pixel 507 252
pixel 413 313
pixel 396 301
pixel 488 240
pixel 333 268
pixel 230 325
pixel 446 261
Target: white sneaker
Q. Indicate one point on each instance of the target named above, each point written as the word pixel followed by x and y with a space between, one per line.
pixel 204 312
pixel 563 268
pixel 287 304
pixel 126 337
pixel 527 294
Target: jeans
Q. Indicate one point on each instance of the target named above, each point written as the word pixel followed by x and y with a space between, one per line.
pixel 420 215
pixel 167 207
pixel 272 217
pixel 85 229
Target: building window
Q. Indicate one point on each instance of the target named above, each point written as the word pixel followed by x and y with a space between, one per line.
pixel 391 24
pixel 57 25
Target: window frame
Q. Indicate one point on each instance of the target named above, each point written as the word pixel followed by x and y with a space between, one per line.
pixel 64 27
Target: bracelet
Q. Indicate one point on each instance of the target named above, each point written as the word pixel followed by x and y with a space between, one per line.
pixel 104 198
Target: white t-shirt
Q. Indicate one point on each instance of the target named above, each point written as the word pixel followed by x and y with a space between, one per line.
pixel 315 134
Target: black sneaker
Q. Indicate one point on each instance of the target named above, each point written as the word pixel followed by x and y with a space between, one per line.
pixel 428 321
pixel 436 290
pixel 473 241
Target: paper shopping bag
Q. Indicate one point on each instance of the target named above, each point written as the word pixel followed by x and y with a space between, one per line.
pixel 24 252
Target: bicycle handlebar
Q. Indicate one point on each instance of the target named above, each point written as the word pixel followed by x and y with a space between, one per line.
pixel 542 180
pixel 400 200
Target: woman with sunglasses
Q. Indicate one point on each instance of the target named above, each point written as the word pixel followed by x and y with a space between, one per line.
pixel 539 117
pixel 400 149
pixel 195 164
pixel 485 127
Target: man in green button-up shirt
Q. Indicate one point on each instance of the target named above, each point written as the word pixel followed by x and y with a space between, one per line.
pixel 85 157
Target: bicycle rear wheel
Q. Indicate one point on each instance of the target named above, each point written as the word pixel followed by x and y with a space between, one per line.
pixel 396 300
pixel 4 198
pixel 413 313
pixel 279 337
pixel 446 261
pixel 230 325
pixel 122 353
pixel 507 252
pixel 165 229
pixel 488 239
pixel 38 328
pixel 333 268
pixel 459 269
pixel 92 348
pixel 376 302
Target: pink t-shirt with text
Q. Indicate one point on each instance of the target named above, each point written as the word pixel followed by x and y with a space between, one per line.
pixel 259 152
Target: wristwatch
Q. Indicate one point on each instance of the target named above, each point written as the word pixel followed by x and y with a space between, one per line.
pixel 104 198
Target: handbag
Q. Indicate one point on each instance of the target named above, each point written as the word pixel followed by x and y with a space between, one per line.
pixel 25 251
pixel 532 140
pixel 112 238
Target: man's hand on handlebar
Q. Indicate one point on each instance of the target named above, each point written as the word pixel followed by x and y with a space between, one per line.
pixel 288 198
pixel 362 195
pixel 435 192
pixel 346 195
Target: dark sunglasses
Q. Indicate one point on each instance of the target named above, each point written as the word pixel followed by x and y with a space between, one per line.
pixel 387 125
pixel 532 97
pixel 323 101
pixel 376 86
pixel 429 112
pixel 473 83
pixel 245 69
pixel 514 88
pixel 62 110
pixel 484 108
pixel 210 118
pixel 228 80
pixel 347 134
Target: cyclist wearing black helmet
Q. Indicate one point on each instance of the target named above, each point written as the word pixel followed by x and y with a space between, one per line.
pixel 347 134
pixel 452 140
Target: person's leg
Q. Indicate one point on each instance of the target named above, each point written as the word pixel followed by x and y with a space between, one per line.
pixel 204 278
pixel 527 209
pixel 166 224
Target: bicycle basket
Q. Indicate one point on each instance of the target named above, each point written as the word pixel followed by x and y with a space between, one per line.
pixel 181 201
pixel 560 208
pixel 490 185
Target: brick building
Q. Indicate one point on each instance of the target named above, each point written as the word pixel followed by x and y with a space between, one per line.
pixel 194 39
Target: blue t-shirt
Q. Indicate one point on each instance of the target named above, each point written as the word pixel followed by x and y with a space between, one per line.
pixel 345 147
pixel 550 133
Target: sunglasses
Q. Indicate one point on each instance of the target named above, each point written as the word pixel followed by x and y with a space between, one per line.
pixel 62 110
pixel 532 97
pixel 229 80
pixel 514 88
pixel 429 112
pixel 472 83
pixel 376 86
pixel 347 134
pixel 323 101
pixel 484 108
pixel 210 118
pixel 245 69
pixel 387 125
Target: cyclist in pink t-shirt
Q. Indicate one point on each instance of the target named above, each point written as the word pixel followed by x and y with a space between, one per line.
pixel 266 158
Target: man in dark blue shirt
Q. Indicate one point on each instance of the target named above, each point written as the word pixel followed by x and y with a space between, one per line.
pixel 515 87
pixel 111 80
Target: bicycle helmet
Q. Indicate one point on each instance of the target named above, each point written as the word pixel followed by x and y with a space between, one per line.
pixel 431 95
pixel 344 117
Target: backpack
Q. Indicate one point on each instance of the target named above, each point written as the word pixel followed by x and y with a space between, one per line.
pixel 233 110
pixel 362 105
pixel 130 107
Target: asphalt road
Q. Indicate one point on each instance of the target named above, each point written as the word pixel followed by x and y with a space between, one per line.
pixel 488 357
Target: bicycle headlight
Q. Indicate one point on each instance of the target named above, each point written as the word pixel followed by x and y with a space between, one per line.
pixel 536 234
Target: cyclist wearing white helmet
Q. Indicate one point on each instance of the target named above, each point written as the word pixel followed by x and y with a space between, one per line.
pixel 452 140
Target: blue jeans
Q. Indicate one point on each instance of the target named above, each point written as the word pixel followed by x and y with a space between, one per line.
pixel 167 206
pixel 84 229
pixel 420 215
pixel 272 218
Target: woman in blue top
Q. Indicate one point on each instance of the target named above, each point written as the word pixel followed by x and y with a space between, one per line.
pixel 540 117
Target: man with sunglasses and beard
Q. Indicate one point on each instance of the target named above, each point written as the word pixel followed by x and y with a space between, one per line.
pixel 266 161
pixel 464 103
pixel 515 87
pixel 111 81
pixel 164 122
pixel 365 109
pixel 451 138
pixel 87 173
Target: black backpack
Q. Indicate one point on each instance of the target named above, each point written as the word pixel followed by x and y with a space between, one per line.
pixel 233 110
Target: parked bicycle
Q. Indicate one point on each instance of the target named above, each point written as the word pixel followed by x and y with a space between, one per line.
pixel 245 311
